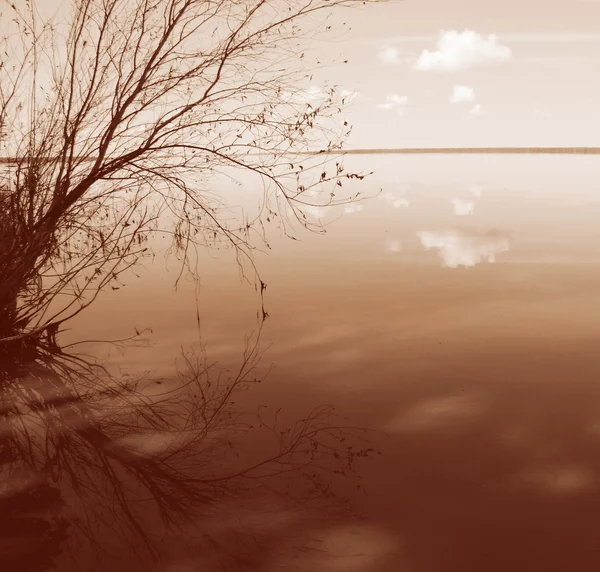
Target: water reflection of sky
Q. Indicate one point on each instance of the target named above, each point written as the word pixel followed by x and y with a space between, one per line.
pixel 547 208
pixel 464 247
pixel 470 339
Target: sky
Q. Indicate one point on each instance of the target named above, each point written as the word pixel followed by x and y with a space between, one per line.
pixel 463 73
pixel 441 73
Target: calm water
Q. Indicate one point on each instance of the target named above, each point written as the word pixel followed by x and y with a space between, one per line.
pixel 458 314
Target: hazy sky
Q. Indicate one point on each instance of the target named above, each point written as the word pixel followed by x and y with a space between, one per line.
pixel 468 72
pixel 472 72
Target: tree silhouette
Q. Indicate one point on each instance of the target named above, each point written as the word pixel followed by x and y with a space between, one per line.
pixel 116 114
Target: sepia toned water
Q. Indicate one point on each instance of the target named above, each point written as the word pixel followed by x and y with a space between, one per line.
pixel 457 314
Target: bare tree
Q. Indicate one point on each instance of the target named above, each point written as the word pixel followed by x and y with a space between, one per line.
pixel 116 114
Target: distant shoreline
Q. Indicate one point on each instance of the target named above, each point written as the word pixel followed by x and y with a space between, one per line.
pixel 466 150
pixel 423 151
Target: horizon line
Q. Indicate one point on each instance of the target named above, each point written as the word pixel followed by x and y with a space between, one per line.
pixel 419 151
pixel 463 150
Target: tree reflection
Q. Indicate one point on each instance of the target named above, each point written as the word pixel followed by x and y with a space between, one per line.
pixel 118 122
pixel 136 457
pixel 31 525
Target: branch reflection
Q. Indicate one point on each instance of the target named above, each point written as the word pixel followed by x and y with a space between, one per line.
pixel 89 454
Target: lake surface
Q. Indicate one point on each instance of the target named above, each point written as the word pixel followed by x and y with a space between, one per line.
pixel 457 313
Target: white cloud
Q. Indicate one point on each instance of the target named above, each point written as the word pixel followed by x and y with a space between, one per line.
pixel 349 95
pixel 462 50
pixel 393 200
pixel 399 203
pixel 315 211
pixel 393 246
pixel 349 546
pixel 311 193
pixel 540 112
pixel 461 93
pixel 316 95
pixel 353 208
pixel 394 101
pixel 391 55
pixel 158 443
pixel 439 412
pixel 312 93
pixel 464 247
pixel 476 109
pixel 476 190
pixel 463 207
pixel 556 480
pixel 388 55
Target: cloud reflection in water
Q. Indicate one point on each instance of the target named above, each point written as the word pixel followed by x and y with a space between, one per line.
pixel 465 247
pixel 463 207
